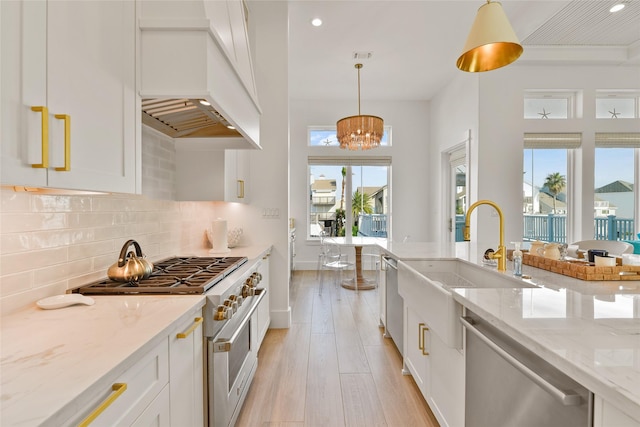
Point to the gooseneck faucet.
(501, 253)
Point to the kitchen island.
(589, 330)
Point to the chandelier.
(359, 132)
(491, 43)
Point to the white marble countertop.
(590, 330)
(48, 358)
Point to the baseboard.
(280, 319)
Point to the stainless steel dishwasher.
(507, 385)
(394, 304)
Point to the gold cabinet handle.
(118, 388)
(67, 142)
(421, 328)
(189, 331)
(240, 189)
(45, 137)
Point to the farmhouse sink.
(461, 274)
(430, 284)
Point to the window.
(348, 191)
(545, 204)
(617, 105)
(549, 105)
(614, 193)
(325, 136)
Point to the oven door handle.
(221, 345)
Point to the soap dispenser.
(517, 260)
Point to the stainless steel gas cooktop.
(181, 275)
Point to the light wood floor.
(332, 367)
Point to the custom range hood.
(186, 118)
(196, 72)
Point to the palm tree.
(555, 182)
(344, 174)
(361, 203)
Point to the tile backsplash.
(50, 243)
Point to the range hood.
(196, 73)
(186, 118)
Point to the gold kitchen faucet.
(501, 253)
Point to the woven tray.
(582, 270)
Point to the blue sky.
(611, 164)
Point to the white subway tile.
(14, 283)
(21, 262)
(13, 201)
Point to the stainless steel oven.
(230, 329)
(232, 359)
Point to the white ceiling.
(416, 43)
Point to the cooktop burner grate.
(183, 275)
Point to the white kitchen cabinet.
(186, 367)
(130, 395)
(212, 175)
(77, 60)
(157, 413)
(605, 414)
(417, 347)
(437, 368)
(264, 313)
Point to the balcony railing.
(326, 200)
(373, 225)
(553, 228)
(612, 228)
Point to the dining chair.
(332, 259)
(614, 247)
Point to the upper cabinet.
(203, 174)
(198, 53)
(69, 114)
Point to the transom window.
(549, 105)
(325, 136)
(617, 105)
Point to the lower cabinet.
(164, 387)
(437, 369)
(605, 414)
(130, 396)
(186, 373)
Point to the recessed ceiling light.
(616, 8)
(316, 22)
(230, 127)
(203, 102)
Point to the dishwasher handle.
(565, 398)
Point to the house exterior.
(618, 196)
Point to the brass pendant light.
(491, 43)
(359, 132)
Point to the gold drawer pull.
(67, 142)
(189, 331)
(118, 388)
(45, 137)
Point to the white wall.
(497, 149)
(270, 167)
(454, 116)
(410, 187)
